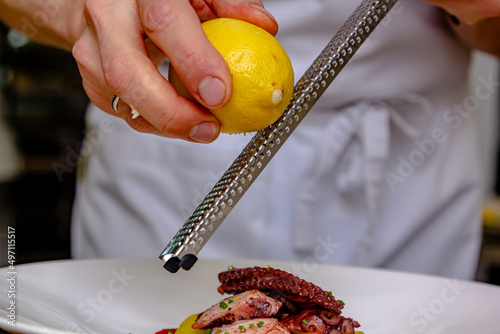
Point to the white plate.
(140, 297)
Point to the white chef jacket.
(383, 171)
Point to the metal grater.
(181, 251)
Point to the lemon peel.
(261, 72)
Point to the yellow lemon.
(261, 71)
(185, 326)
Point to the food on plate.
(270, 301)
(261, 71)
(246, 305)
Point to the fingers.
(123, 68)
(154, 53)
(175, 28)
(252, 11)
(124, 42)
(85, 51)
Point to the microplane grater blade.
(182, 250)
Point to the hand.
(124, 41)
(468, 11)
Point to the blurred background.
(42, 106)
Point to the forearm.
(54, 22)
(483, 35)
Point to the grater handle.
(182, 250)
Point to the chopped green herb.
(341, 302)
(260, 323)
(230, 268)
(218, 331)
(242, 329)
(330, 294)
(251, 325)
(223, 305)
(226, 332)
(170, 332)
(209, 331)
(304, 322)
(230, 301)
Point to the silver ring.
(114, 104)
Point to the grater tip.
(173, 264)
(188, 261)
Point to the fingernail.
(263, 10)
(204, 132)
(212, 91)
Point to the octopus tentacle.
(319, 322)
(265, 279)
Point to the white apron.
(382, 172)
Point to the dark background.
(44, 104)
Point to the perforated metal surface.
(183, 248)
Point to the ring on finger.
(114, 106)
(114, 103)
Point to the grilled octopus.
(273, 301)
